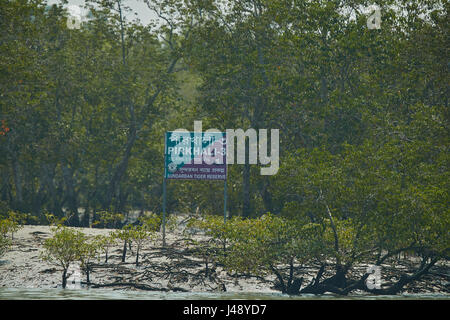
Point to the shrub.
(63, 249)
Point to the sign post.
(194, 156)
(164, 212)
(164, 196)
(225, 201)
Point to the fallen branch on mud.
(136, 286)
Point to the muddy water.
(100, 294)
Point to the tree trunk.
(86, 217)
(88, 280)
(137, 256)
(17, 183)
(122, 200)
(71, 196)
(64, 278)
(280, 279)
(339, 280)
(95, 217)
(246, 209)
(266, 196)
(55, 204)
(294, 287)
(38, 198)
(131, 139)
(124, 251)
(121, 168)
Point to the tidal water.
(106, 294)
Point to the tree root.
(328, 285)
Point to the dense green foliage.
(363, 119)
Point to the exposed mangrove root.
(334, 283)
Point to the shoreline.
(170, 269)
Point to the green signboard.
(195, 155)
